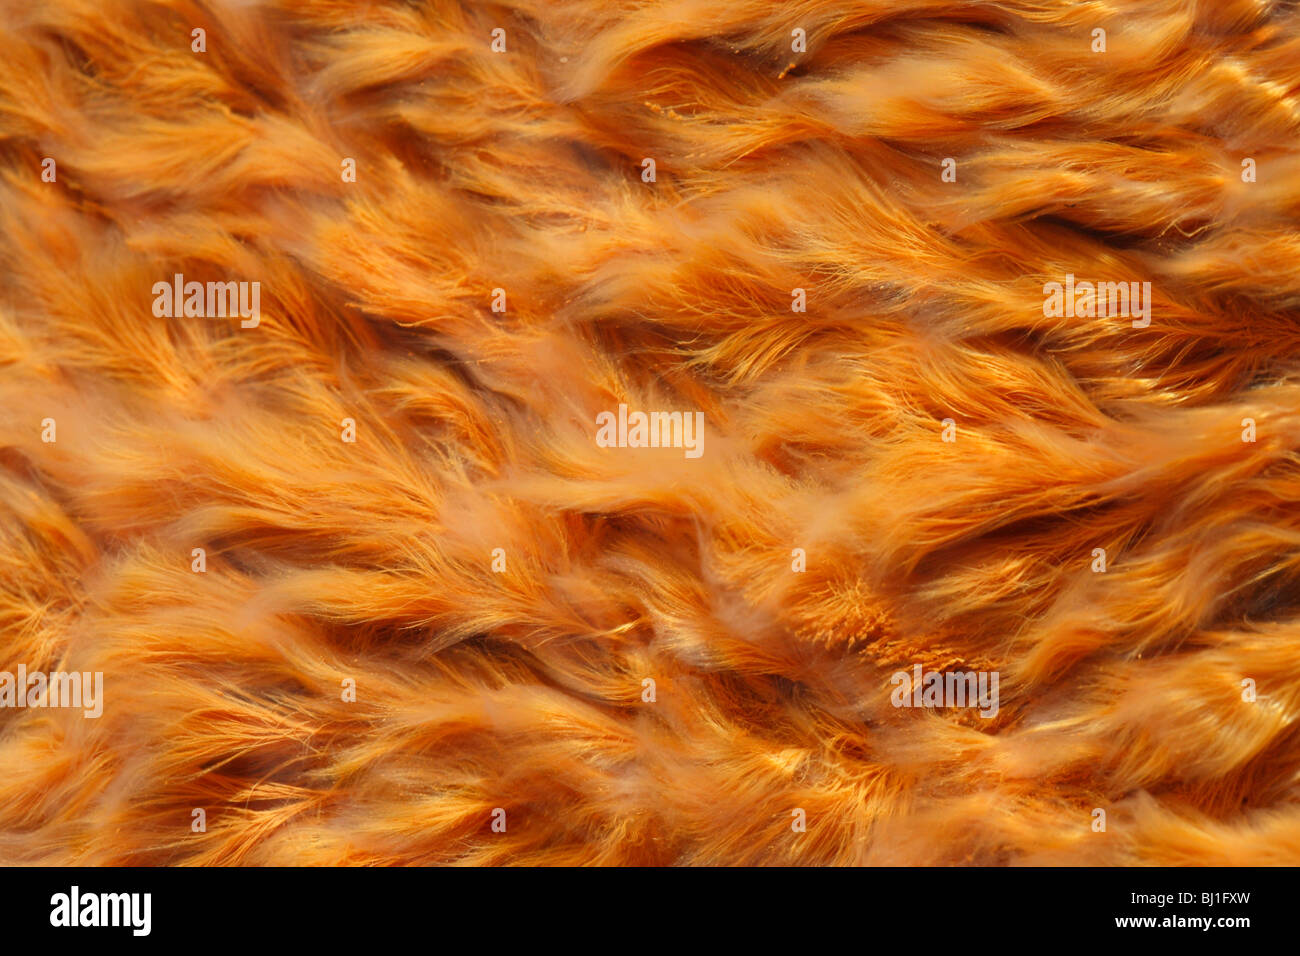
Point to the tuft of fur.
(522, 690)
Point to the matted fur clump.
(367, 554)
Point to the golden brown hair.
(917, 469)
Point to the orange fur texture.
(519, 682)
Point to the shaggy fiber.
(370, 578)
